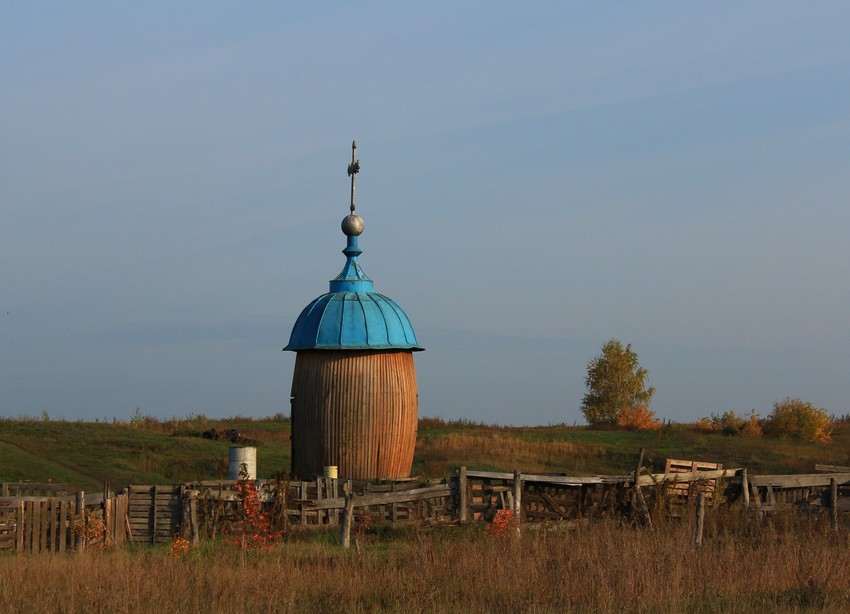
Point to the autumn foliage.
(730, 423)
(255, 530)
(503, 523)
(800, 420)
(638, 418)
(616, 383)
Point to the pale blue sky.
(535, 181)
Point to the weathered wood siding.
(357, 410)
(35, 524)
(155, 513)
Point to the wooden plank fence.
(35, 524)
(154, 513)
(684, 492)
(767, 493)
(320, 502)
(542, 497)
(45, 521)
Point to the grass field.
(787, 564)
(147, 451)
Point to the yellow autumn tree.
(798, 419)
(615, 383)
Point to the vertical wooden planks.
(40, 511)
(20, 526)
(357, 410)
(152, 520)
(64, 523)
(31, 533)
(106, 510)
(80, 511)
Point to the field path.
(65, 466)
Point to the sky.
(535, 180)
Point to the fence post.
(302, 495)
(107, 513)
(80, 533)
(347, 516)
(745, 489)
(191, 515)
(641, 502)
(517, 492)
(699, 520)
(152, 521)
(833, 503)
(463, 497)
(19, 528)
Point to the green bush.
(800, 420)
(730, 423)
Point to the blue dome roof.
(352, 316)
(352, 321)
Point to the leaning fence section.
(536, 497)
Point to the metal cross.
(353, 169)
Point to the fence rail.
(39, 519)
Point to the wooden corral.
(320, 502)
(152, 514)
(393, 502)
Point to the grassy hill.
(86, 454)
(147, 451)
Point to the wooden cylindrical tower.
(354, 395)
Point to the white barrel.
(331, 471)
(243, 458)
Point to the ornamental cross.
(353, 169)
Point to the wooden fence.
(154, 513)
(539, 497)
(46, 519)
(61, 523)
(768, 493)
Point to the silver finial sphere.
(352, 225)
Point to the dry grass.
(789, 564)
(439, 454)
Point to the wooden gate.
(155, 513)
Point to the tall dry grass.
(439, 454)
(789, 564)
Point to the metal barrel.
(243, 458)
